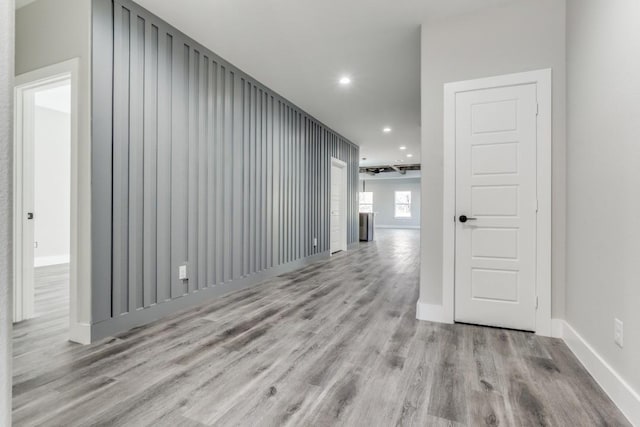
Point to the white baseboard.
(620, 392)
(407, 227)
(431, 313)
(51, 260)
(80, 333)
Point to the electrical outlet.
(315, 242)
(182, 272)
(618, 332)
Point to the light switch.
(182, 272)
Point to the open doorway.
(391, 194)
(339, 217)
(45, 139)
(389, 206)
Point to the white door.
(338, 228)
(495, 257)
(42, 183)
(24, 297)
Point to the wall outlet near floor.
(315, 242)
(618, 332)
(182, 272)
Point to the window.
(366, 202)
(403, 204)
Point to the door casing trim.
(542, 79)
(78, 330)
(344, 240)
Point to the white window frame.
(395, 204)
(365, 204)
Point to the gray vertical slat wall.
(209, 169)
(101, 160)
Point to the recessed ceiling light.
(344, 80)
(386, 130)
(403, 148)
(409, 155)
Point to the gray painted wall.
(494, 41)
(384, 201)
(7, 13)
(603, 235)
(196, 162)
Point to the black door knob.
(29, 215)
(464, 218)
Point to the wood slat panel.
(179, 162)
(136, 161)
(150, 166)
(102, 162)
(209, 168)
(163, 155)
(120, 236)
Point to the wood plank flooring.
(51, 308)
(335, 343)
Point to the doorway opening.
(44, 262)
(390, 201)
(338, 225)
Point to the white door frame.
(343, 241)
(542, 79)
(23, 301)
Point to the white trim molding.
(344, 246)
(80, 332)
(7, 56)
(62, 71)
(432, 313)
(542, 79)
(619, 391)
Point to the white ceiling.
(300, 48)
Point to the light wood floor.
(51, 308)
(336, 343)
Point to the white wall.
(603, 177)
(521, 36)
(384, 201)
(52, 186)
(49, 32)
(6, 204)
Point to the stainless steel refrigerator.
(366, 227)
